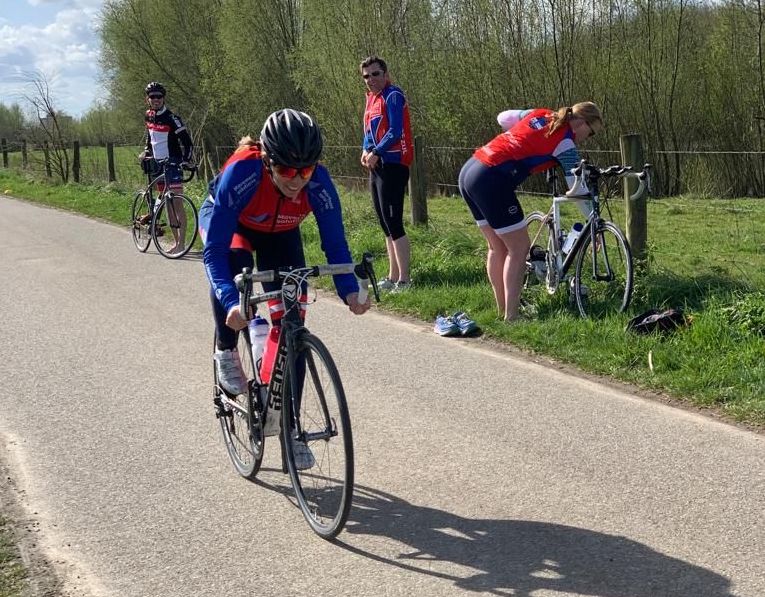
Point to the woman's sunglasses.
(156, 96)
(377, 73)
(289, 172)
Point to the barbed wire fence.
(719, 174)
(697, 174)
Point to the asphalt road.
(477, 471)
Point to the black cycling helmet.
(291, 138)
(154, 87)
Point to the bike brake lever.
(365, 271)
(243, 283)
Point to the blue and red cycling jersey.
(243, 194)
(526, 143)
(387, 130)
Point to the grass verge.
(706, 256)
(12, 573)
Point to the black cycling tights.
(272, 251)
(387, 184)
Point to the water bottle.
(576, 230)
(269, 354)
(258, 334)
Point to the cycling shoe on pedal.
(302, 453)
(230, 373)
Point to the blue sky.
(58, 38)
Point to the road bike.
(600, 254)
(304, 396)
(170, 219)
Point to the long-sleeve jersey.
(524, 140)
(166, 136)
(387, 130)
(244, 194)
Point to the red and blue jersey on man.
(527, 145)
(387, 130)
(243, 194)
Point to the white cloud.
(64, 50)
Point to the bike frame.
(564, 263)
(292, 329)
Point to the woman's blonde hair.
(247, 141)
(587, 111)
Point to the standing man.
(387, 154)
(166, 140)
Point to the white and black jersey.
(166, 136)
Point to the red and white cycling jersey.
(166, 136)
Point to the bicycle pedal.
(220, 409)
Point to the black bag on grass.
(654, 320)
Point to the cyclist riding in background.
(256, 203)
(166, 139)
(531, 141)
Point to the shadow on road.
(517, 557)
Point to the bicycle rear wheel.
(175, 226)
(141, 221)
(541, 276)
(239, 416)
(603, 279)
(325, 490)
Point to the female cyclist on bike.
(256, 203)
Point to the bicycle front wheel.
(323, 481)
(240, 416)
(175, 226)
(603, 279)
(141, 221)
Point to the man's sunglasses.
(377, 73)
(289, 172)
(156, 96)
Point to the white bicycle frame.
(580, 193)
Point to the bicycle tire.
(241, 425)
(604, 285)
(323, 496)
(141, 232)
(170, 225)
(540, 235)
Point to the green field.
(706, 256)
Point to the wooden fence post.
(110, 161)
(76, 161)
(24, 154)
(46, 153)
(4, 144)
(631, 146)
(418, 184)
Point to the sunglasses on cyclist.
(156, 96)
(289, 172)
(376, 73)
